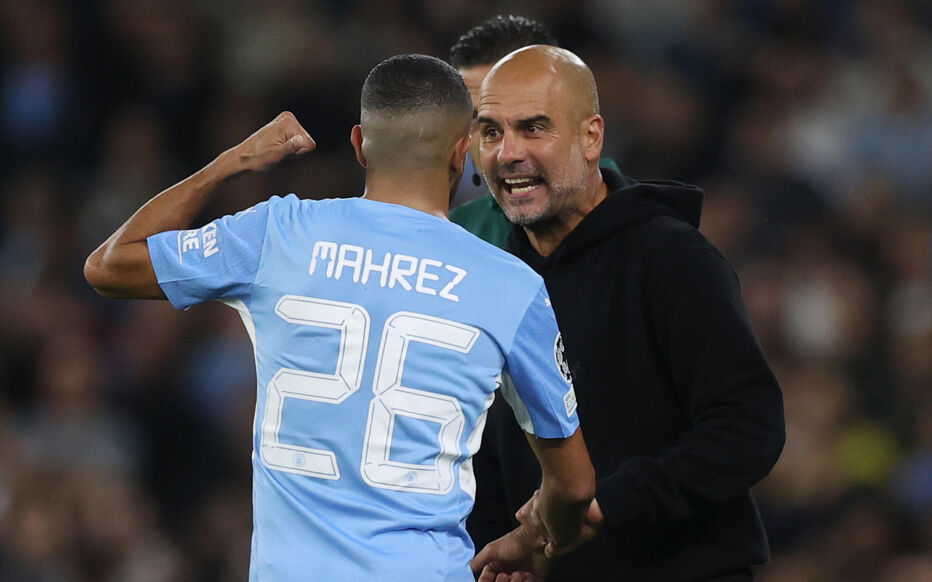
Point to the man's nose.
(512, 148)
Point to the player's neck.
(427, 194)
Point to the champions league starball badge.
(559, 355)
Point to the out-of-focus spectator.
(135, 162)
(35, 86)
(71, 427)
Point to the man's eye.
(490, 132)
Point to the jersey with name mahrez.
(380, 335)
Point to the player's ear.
(458, 161)
(356, 140)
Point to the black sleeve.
(723, 382)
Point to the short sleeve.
(542, 395)
(216, 261)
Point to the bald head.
(414, 110)
(558, 68)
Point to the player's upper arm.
(123, 273)
(220, 260)
(543, 396)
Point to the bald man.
(681, 410)
(377, 347)
(474, 54)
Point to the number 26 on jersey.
(391, 398)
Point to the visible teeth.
(520, 185)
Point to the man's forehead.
(512, 104)
(515, 97)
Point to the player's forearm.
(567, 487)
(176, 207)
(120, 267)
(563, 508)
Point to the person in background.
(682, 412)
(377, 348)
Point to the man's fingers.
(483, 559)
(299, 141)
(301, 144)
(524, 511)
(305, 141)
(489, 574)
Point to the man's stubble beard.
(559, 200)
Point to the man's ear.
(458, 161)
(591, 136)
(356, 140)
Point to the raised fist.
(280, 138)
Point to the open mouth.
(518, 186)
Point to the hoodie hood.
(629, 203)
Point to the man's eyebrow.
(520, 122)
(532, 120)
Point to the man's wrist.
(531, 537)
(228, 164)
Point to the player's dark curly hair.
(414, 82)
(486, 43)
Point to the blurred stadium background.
(125, 427)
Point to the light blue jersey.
(380, 334)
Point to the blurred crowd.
(125, 428)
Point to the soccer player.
(377, 344)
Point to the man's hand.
(280, 138)
(517, 556)
(529, 515)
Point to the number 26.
(391, 396)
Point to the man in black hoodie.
(681, 410)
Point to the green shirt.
(484, 217)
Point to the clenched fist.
(280, 138)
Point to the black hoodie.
(677, 403)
